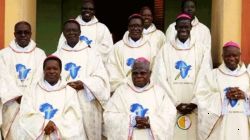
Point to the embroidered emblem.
(138, 110)
(22, 71)
(184, 69)
(48, 110)
(130, 62)
(232, 102)
(184, 122)
(72, 68)
(85, 39)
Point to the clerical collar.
(140, 89)
(233, 72)
(148, 30)
(22, 49)
(184, 45)
(51, 87)
(133, 43)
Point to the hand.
(77, 85)
(142, 122)
(185, 108)
(235, 93)
(18, 99)
(50, 128)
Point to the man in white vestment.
(50, 110)
(199, 31)
(179, 66)
(93, 32)
(7, 94)
(132, 46)
(223, 99)
(22, 60)
(83, 70)
(139, 109)
(156, 37)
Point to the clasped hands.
(50, 128)
(185, 108)
(235, 93)
(142, 122)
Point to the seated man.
(223, 99)
(51, 108)
(139, 109)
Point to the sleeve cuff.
(87, 93)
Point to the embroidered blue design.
(85, 39)
(48, 110)
(130, 62)
(138, 110)
(183, 67)
(72, 68)
(22, 71)
(232, 102)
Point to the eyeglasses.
(23, 32)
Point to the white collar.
(141, 89)
(233, 72)
(50, 87)
(184, 45)
(150, 29)
(94, 20)
(30, 47)
(133, 43)
(241, 69)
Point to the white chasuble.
(128, 102)
(221, 118)
(84, 64)
(44, 104)
(179, 68)
(123, 56)
(95, 34)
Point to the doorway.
(52, 14)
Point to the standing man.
(133, 45)
(139, 109)
(223, 97)
(156, 37)
(84, 71)
(93, 32)
(180, 65)
(199, 31)
(22, 60)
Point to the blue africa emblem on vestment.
(72, 68)
(85, 39)
(22, 71)
(232, 102)
(48, 110)
(130, 62)
(138, 110)
(183, 67)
